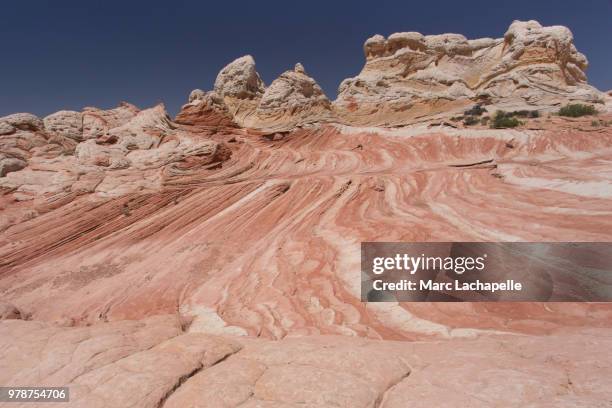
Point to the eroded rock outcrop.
(6, 128)
(26, 138)
(65, 123)
(410, 77)
(108, 152)
(9, 164)
(240, 97)
(23, 121)
(22, 135)
(205, 109)
(240, 80)
(240, 87)
(97, 122)
(293, 99)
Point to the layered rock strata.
(156, 217)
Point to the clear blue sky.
(70, 54)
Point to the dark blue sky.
(70, 54)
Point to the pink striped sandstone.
(227, 241)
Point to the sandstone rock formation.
(120, 150)
(23, 136)
(8, 164)
(240, 80)
(6, 128)
(410, 77)
(22, 121)
(65, 123)
(293, 99)
(207, 109)
(97, 122)
(213, 260)
(240, 87)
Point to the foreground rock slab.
(152, 363)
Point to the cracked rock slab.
(152, 363)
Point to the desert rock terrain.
(213, 259)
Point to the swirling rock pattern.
(259, 234)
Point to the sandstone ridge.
(410, 77)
